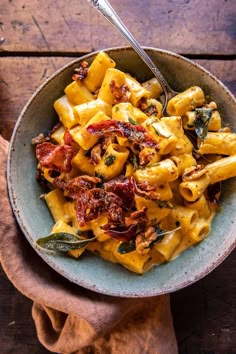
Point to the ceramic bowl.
(35, 220)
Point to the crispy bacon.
(113, 205)
(137, 222)
(121, 233)
(81, 72)
(213, 193)
(135, 133)
(145, 190)
(138, 217)
(68, 139)
(96, 154)
(93, 202)
(145, 156)
(78, 185)
(124, 188)
(56, 157)
(89, 205)
(121, 93)
(149, 109)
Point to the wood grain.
(23, 75)
(38, 38)
(183, 26)
(205, 313)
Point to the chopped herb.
(189, 125)
(203, 115)
(134, 161)
(161, 233)
(149, 121)
(62, 242)
(116, 109)
(87, 153)
(126, 247)
(151, 110)
(132, 121)
(160, 132)
(164, 204)
(99, 175)
(109, 160)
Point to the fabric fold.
(70, 319)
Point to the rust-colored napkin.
(70, 319)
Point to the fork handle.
(109, 13)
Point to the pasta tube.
(222, 169)
(97, 71)
(96, 226)
(185, 101)
(65, 112)
(183, 161)
(185, 217)
(134, 261)
(154, 87)
(163, 171)
(113, 77)
(154, 212)
(169, 244)
(104, 249)
(112, 162)
(82, 136)
(201, 205)
(136, 89)
(81, 162)
(126, 112)
(58, 135)
(192, 190)
(174, 124)
(77, 93)
(218, 143)
(86, 111)
(55, 201)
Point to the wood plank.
(53, 26)
(204, 313)
(184, 26)
(17, 331)
(20, 77)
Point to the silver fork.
(105, 8)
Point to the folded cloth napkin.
(71, 319)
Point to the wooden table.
(37, 39)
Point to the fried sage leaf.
(126, 247)
(203, 115)
(62, 242)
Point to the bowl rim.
(222, 254)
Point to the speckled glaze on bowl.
(35, 220)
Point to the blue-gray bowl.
(35, 219)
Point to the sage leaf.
(203, 115)
(109, 160)
(62, 242)
(132, 121)
(126, 247)
(160, 234)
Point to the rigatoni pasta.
(126, 181)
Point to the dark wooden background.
(36, 38)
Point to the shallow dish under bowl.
(34, 217)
